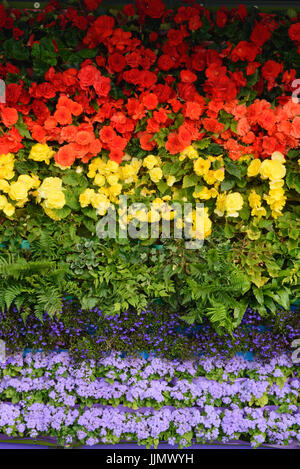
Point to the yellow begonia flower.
(203, 194)
(272, 169)
(192, 153)
(4, 185)
(155, 174)
(97, 164)
(220, 205)
(41, 152)
(153, 215)
(100, 202)
(22, 202)
(258, 212)
(276, 184)
(201, 166)
(278, 205)
(254, 168)
(99, 180)
(215, 158)
(276, 200)
(91, 174)
(29, 181)
(51, 191)
(210, 177)
(55, 200)
(127, 173)
(112, 166)
(157, 202)
(220, 174)
(166, 212)
(254, 199)
(3, 201)
(9, 210)
(234, 203)
(189, 152)
(213, 192)
(86, 197)
(171, 180)
(179, 223)
(207, 226)
(112, 179)
(201, 224)
(276, 194)
(276, 155)
(6, 172)
(49, 184)
(35, 181)
(150, 161)
(115, 190)
(7, 166)
(135, 164)
(104, 190)
(18, 190)
(141, 215)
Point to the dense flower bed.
(163, 106)
(150, 401)
(166, 107)
(148, 96)
(155, 333)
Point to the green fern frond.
(49, 300)
(21, 268)
(11, 293)
(44, 245)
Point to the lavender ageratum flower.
(81, 435)
(92, 441)
(116, 398)
(209, 423)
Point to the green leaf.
(227, 184)
(90, 212)
(284, 298)
(229, 230)
(72, 200)
(233, 126)
(162, 186)
(263, 400)
(87, 53)
(16, 50)
(239, 311)
(296, 183)
(190, 180)
(245, 212)
(202, 144)
(269, 303)
(71, 178)
(232, 168)
(89, 302)
(148, 242)
(258, 293)
(63, 212)
(22, 128)
(89, 224)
